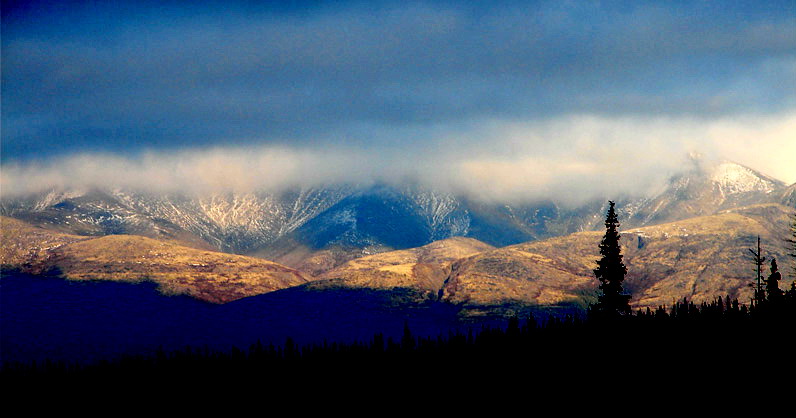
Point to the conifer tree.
(758, 260)
(772, 284)
(791, 293)
(611, 270)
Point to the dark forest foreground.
(687, 340)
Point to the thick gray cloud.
(371, 77)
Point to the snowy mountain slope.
(237, 223)
(230, 222)
(706, 191)
(92, 213)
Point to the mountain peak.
(735, 178)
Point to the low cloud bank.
(571, 159)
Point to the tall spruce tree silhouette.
(611, 271)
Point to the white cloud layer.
(570, 158)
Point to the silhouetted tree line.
(722, 331)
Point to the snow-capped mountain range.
(380, 216)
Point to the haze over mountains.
(687, 241)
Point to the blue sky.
(379, 78)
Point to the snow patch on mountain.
(734, 178)
(442, 212)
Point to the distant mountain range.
(688, 240)
(377, 218)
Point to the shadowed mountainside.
(45, 317)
